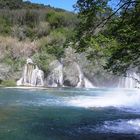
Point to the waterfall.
(32, 75)
(37, 77)
(55, 78)
(81, 76)
(130, 81)
(88, 84)
(83, 79)
(58, 76)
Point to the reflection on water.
(69, 114)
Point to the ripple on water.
(121, 127)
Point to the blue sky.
(65, 4)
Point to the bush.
(10, 4)
(31, 18)
(54, 19)
(43, 60)
(53, 44)
(14, 49)
(8, 83)
(19, 32)
(5, 27)
(61, 19)
(43, 29)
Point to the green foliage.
(54, 19)
(27, 20)
(54, 44)
(15, 64)
(90, 13)
(19, 32)
(8, 83)
(99, 47)
(30, 33)
(61, 19)
(31, 19)
(51, 27)
(10, 4)
(118, 42)
(43, 29)
(20, 4)
(5, 27)
(127, 32)
(43, 60)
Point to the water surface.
(69, 114)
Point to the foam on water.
(125, 100)
(121, 126)
(118, 99)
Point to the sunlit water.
(69, 114)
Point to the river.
(69, 114)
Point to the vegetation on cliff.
(33, 30)
(109, 38)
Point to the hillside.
(32, 30)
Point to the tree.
(90, 13)
(120, 26)
(126, 30)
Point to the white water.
(127, 101)
(37, 77)
(56, 76)
(130, 81)
(83, 79)
(118, 98)
(88, 84)
(32, 75)
(121, 126)
(81, 76)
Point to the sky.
(64, 4)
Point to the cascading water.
(32, 75)
(130, 81)
(82, 78)
(88, 84)
(55, 78)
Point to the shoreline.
(47, 88)
(25, 87)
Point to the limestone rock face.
(55, 77)
(67, 74)
(72, 75)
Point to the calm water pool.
(69, 114)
